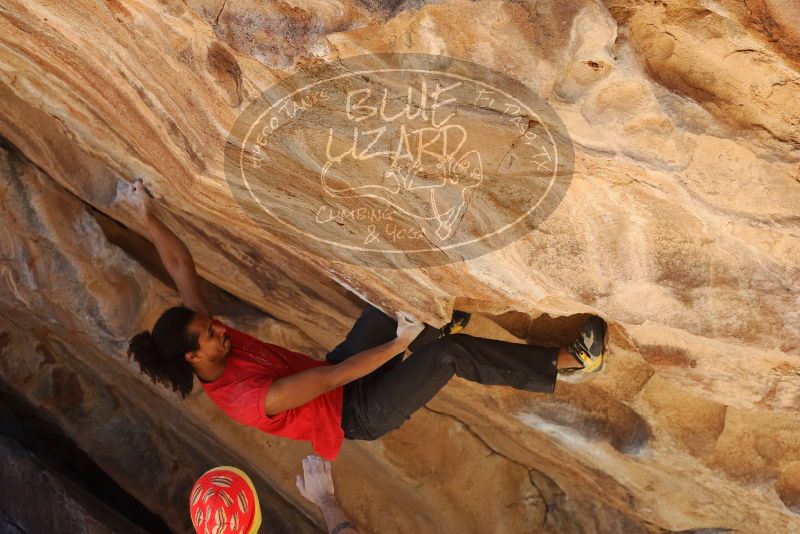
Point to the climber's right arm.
(297, 389)
(173, 253)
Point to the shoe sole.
(592, 365)
(458, 327)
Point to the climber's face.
(215, 345)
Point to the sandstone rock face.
(679, 227)
(66, 507)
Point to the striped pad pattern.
(224, 501)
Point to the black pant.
(382, 400)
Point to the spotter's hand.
(316, 482)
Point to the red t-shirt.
(249, 371)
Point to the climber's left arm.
(173, 252)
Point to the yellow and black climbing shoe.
(589, 348)
(456, 324)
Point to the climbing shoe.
(456, 324)
(589, 348)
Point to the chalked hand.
(408, 328)
(141, 198)
(316, 483)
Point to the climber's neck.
(209, 371)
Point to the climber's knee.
(448, 348)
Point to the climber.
(363, 390)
